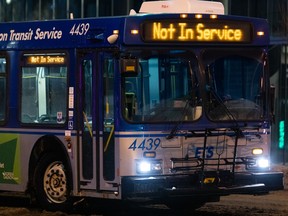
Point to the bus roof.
(170, 29)
(182, 6)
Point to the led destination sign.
(45, 59)
(189, 31)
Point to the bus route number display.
(189, 31)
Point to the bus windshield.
(165, 89)
(234, 84)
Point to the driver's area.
(163, 88)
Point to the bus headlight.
(263, 163)
(149, 166)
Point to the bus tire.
(51, 183)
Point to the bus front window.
(164, 90)
(234, 85)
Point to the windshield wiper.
(236, 129)
(191, 101)
(182, 117)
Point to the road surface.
(275, 203)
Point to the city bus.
(170, 105)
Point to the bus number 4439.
(80, 29)
(146, 144)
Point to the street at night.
(274, 203)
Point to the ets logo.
(198, 151)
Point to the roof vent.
(182, 6)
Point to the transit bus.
(169, 105)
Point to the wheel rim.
(55, 182)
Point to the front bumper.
(207, 185)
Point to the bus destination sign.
(45, 59)
(192, 31)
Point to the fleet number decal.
(146, 144)
(80, 29)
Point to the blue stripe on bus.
(117, 134)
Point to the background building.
(19, 10)
(275, 11)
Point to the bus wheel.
(51, 183)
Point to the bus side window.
(3, 92)
(44, 95)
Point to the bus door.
(87, 122)
(97, 144)
(108, 156)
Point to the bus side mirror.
(129, 67)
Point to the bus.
(169, 105)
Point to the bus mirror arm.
(272, 102)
